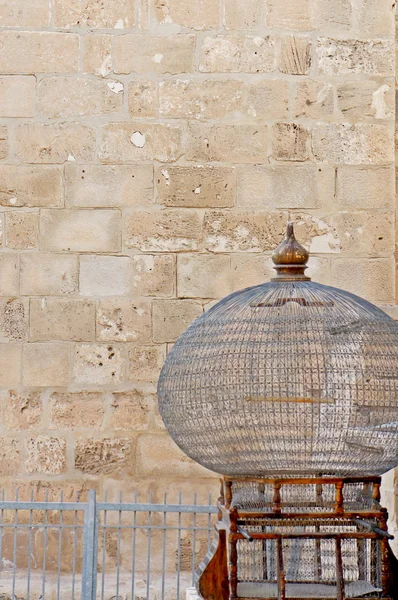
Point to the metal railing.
(93, 549)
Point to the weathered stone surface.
(288, 186)
(202, 276)
(288, 15)
(376, 18)
(14, 316)
(344, 57)
(4, 146)
(75, 410)
(47, 274)
(60, 97)
(365, 232)
(54, 143)
(22, 410)
(196, 187)
(9, 456)
(17, 96)
(62, 319)
(102, 455)
(105, 276)
(22, 230)
(131, 410)
(295, 56)
(45, 455)
(250, 269)
(46, 364)
(238, 54)
(154, 274)
(30, 186)
(145, 54)
(353, 144)
(124, 320)
(18, 13)
(163, 231)
(359, 99)
(10, 364)
(373, 276)
(267, 99)
(145, 362)
(143, 99)
(118, 14)
(317, 233)
(314, 99)
(243, 231)
(248, 16)
(97, 58)
(203, 14)
(290, 142)
(38, 52)
(240, 143)
(332, 15)
(172, 317)
(365, 188)
(9, 276)
(101, 186)
(80, 230)
(132, 142)
(99, 364)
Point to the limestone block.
(118, 14)
(365, 232)
(54, 143)
(314, 99)
(101, 186)
(30, 186)
(243, 231)
(75, 410)
(145, 362)
(10, 456)
(124, 320)
(238, 54)
(295, 55)
(317, 234)
(289, 15)
(240, 143)
(353, 144)
(290, 141)
(203, 14)
(80, 230)
(163, 231)
(99, 364)
(376, 18)
(14, 318)
(64, 319)
(105, 275)
(267, 99)
(45, 455)
(249, 269)
(203, 276)
(196, 187)
(143, 99)
(60, 97)
(285, 186)
(102, 455)
(38, 52)
(47, 274)
(22, 410)
(248, 16)
(343, 57)
(22, 230)
(359, 99)
(365, 188)
(332, 15)
(17, 95)
(46, 364)
(3, 142)
(132, 142)
(373, 276)
(131, 410)
(9, 276)
(18, 13)
(97, 57)
(145, 54)
(154, 274)
(10, 364)
(172, 317)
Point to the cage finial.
(290, 258)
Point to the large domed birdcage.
(287, 377)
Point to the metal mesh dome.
(289, 377)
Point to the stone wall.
(151, 153)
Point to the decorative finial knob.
(290, 258)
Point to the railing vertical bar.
(14, 559)
(209, 525)
(179, 548)
(134, 547)
(164, 547)
(74, 549)
(88, 575)
(194, 540)
(104, 549)
(118, 546)
(148, 570)
(60, 547)
(45, 524)
(29, 546)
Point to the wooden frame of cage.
(218, 578)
